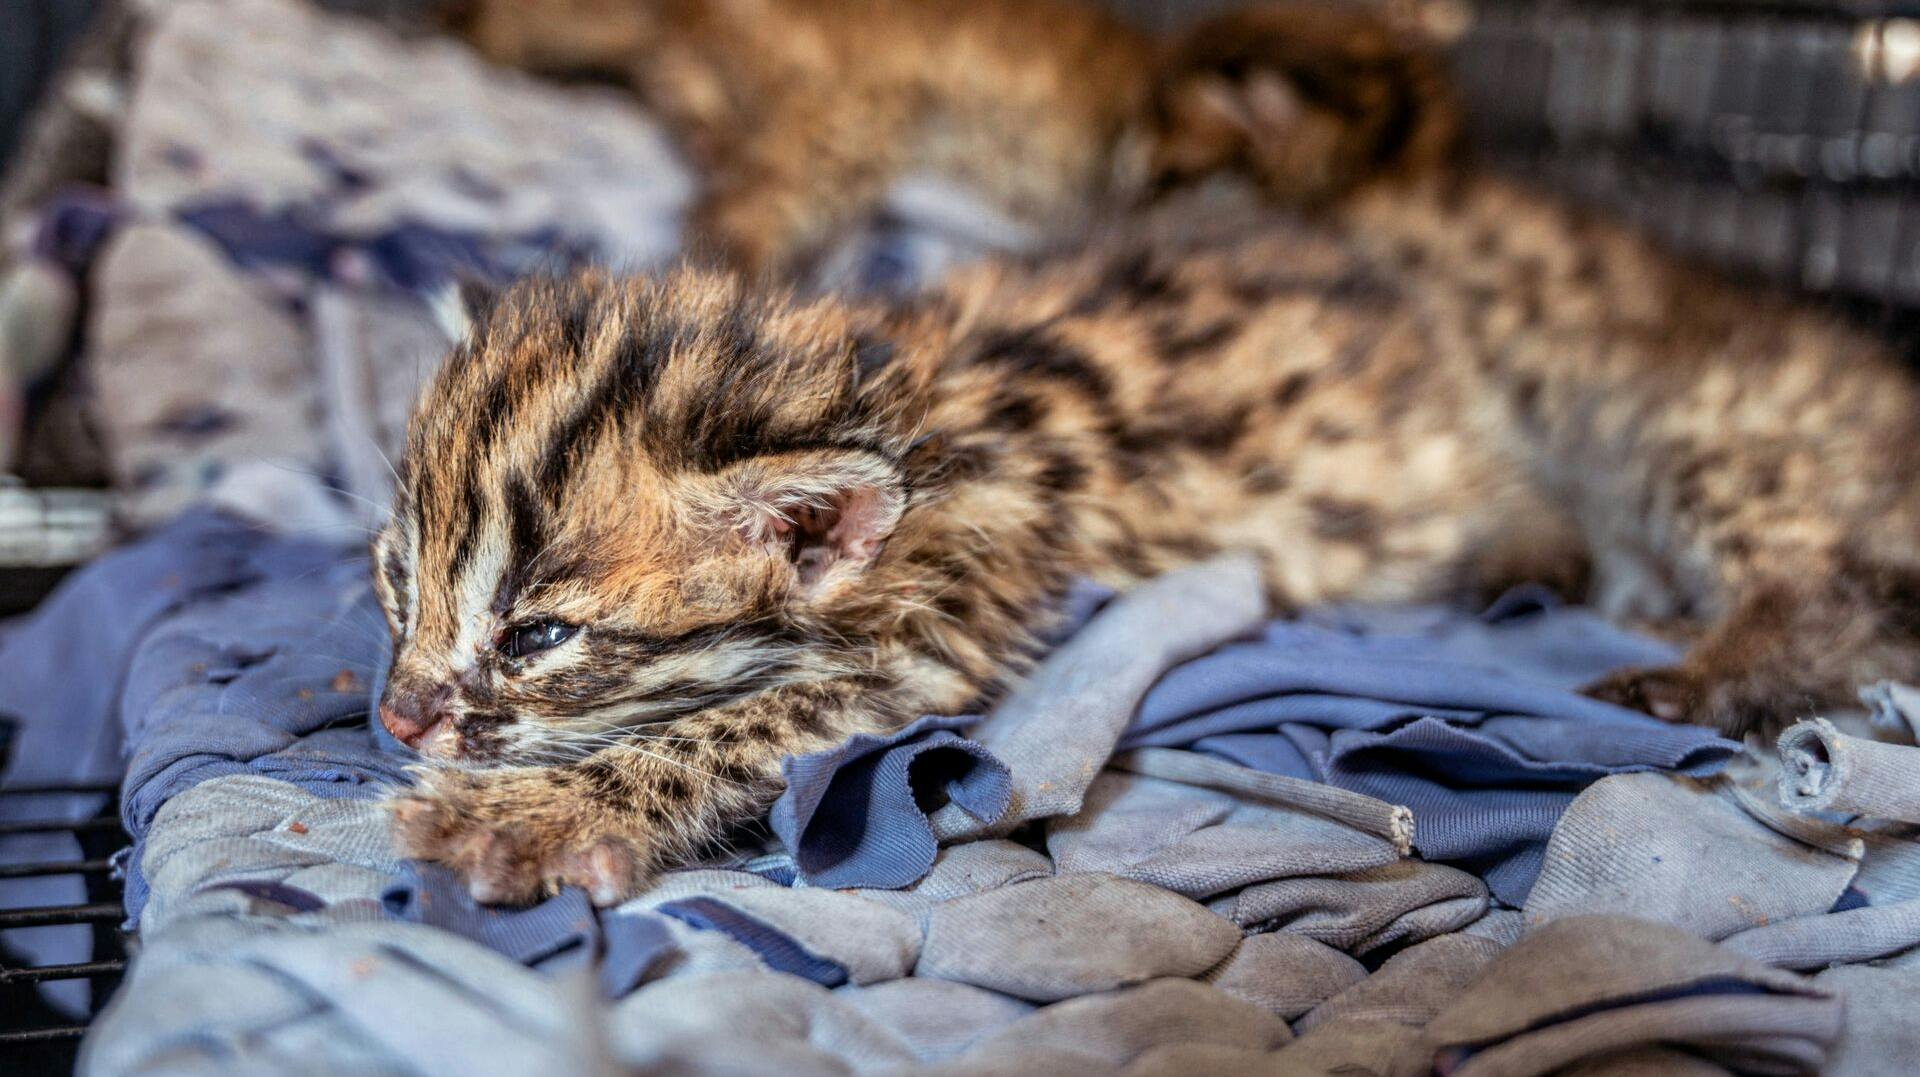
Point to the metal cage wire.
(1777, 139)
(34, 1036)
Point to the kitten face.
(621, 504)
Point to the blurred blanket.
(293, 195)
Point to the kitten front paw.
(1732, 704)
(513, 837)
(1665, 692)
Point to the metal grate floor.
(35, 1037)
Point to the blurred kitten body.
(803, 114)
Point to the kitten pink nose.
(410, 716)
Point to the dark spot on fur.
(870, 354)
(1063, 474)
(1264, 479)
(1588, 268)
(1214, 433)
(479, 732)
(1016, 412)
(1036, 351)
(1177, 347)
(957, 603)
(1891, 590)
(1131, 466)
(673, 786)
(1133, 280)
(967, 461)
(1526, 395)
(1289, 392)
(1401, 389)
(1341, 520)
(575, 317)
(605, 782)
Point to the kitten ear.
(827, 513)
(466, 302)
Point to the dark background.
(33, 36)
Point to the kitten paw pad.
(509, 859)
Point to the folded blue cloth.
(1473, 722)
(856, 814)
(560, 933)
(780, 951)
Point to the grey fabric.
(1284, 974)
(946, 974)
(873, 942)
(1199, 842)
(1504, 926)
(734, 1022)
(937, 1019)
(1645, 1062)
(1889, 862)
(1361, 911)
(1346, 1046)
(268, 893)
(1880, 1037)
(1187, 1059)
(1357, 810)
(359, 147)
(1058, 730)
(1116, 1027)
(357, 988)
(210, 835)
(1823, 769)
(1060, 937)
(1840, 938)
(1412, 986)
(1697, 854)
(959, 870)
(1594, 985)
(1893, 707)
(308, 970)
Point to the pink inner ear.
(865, 518)
(851, 527)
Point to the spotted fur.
(772, 523)
(803, 114)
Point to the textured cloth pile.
(1359, 841)
(1035, 890)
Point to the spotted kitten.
(655, 534)
(803, 114)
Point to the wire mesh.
(36, 1037)
(1775, 138)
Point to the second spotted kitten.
(802, 115)
(656, 534)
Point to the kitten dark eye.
(533, 637)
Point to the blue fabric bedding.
(210, 649)
(1473, 722)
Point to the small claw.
(607, 872)
(1668, 694)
